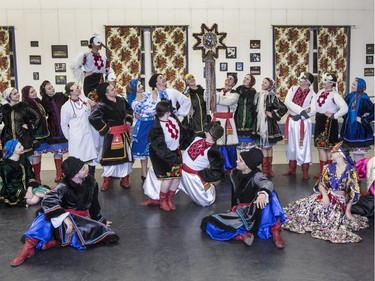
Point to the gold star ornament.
(209, 41)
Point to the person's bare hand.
(108, 223)
(261, 201)
(69, 225)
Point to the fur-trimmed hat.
(252, 158)
(71, 166)
(214, 129)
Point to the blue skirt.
(141, 144)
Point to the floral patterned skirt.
(328, 223)
(326, 132)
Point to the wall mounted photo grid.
(84, 43)
(35, 59)
(60, 79)
(254, 57)
(60, 67)
(369, 59)
(34, 43)
(59, 51)
(254, 44)
(223, 66)
(255, 70)
(239, 66)
(231, 53)
(35, 75)
(369, 49)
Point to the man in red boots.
(256, 210)
(112, 118)
(72, 212)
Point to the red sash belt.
(301, 130)
(116, 131)
(187, 169)
(227, 116)
(82, 213)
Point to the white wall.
(68, 22)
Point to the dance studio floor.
(169, 246)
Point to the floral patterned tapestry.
(333, 54)
(125, 46)
(291, 51)
(5, 69)
(169, 45)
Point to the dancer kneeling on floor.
(255, 206)
(71, 214)
(202, 166)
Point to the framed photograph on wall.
(59, 51)
(35, 75)
(254, 57)
(34, 43)
(60, 79)
(231, 53)
(369, 49)
(239, 66)
(369, 71)
(223, 66)
(254, 44)
(60, 67)
(369, 59)
(255, 70)
(84, 43)
(35, 59)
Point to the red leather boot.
(265, 168)
(27, 251)
(59, 173)
(247, 238)
(322, 164)
(305, 171)
(106, 181)
(170, 196)
(291, 169)
(163, 201)
(125, 182)
(50, 244)
(36, 168)
(276, 235)
(270, 172)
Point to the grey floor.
(158, 245)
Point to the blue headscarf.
(133, 84)
(9, 148)
(361, 85)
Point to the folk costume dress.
(245, 217)
(226, 104)
(77, 129)
(14, 117)
(41, 132)
(244, 116)
(57, 143)
(202, 164)
(80, 203)
(109, 119)
(265, 129)
(326, 132)
(197, 117)
(358, 135)
(15, 177)
(165, 155)
(146, 110)
(328, 223)
(297, 134)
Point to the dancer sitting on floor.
(327, 214)
(72, 209)
(255, 206)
